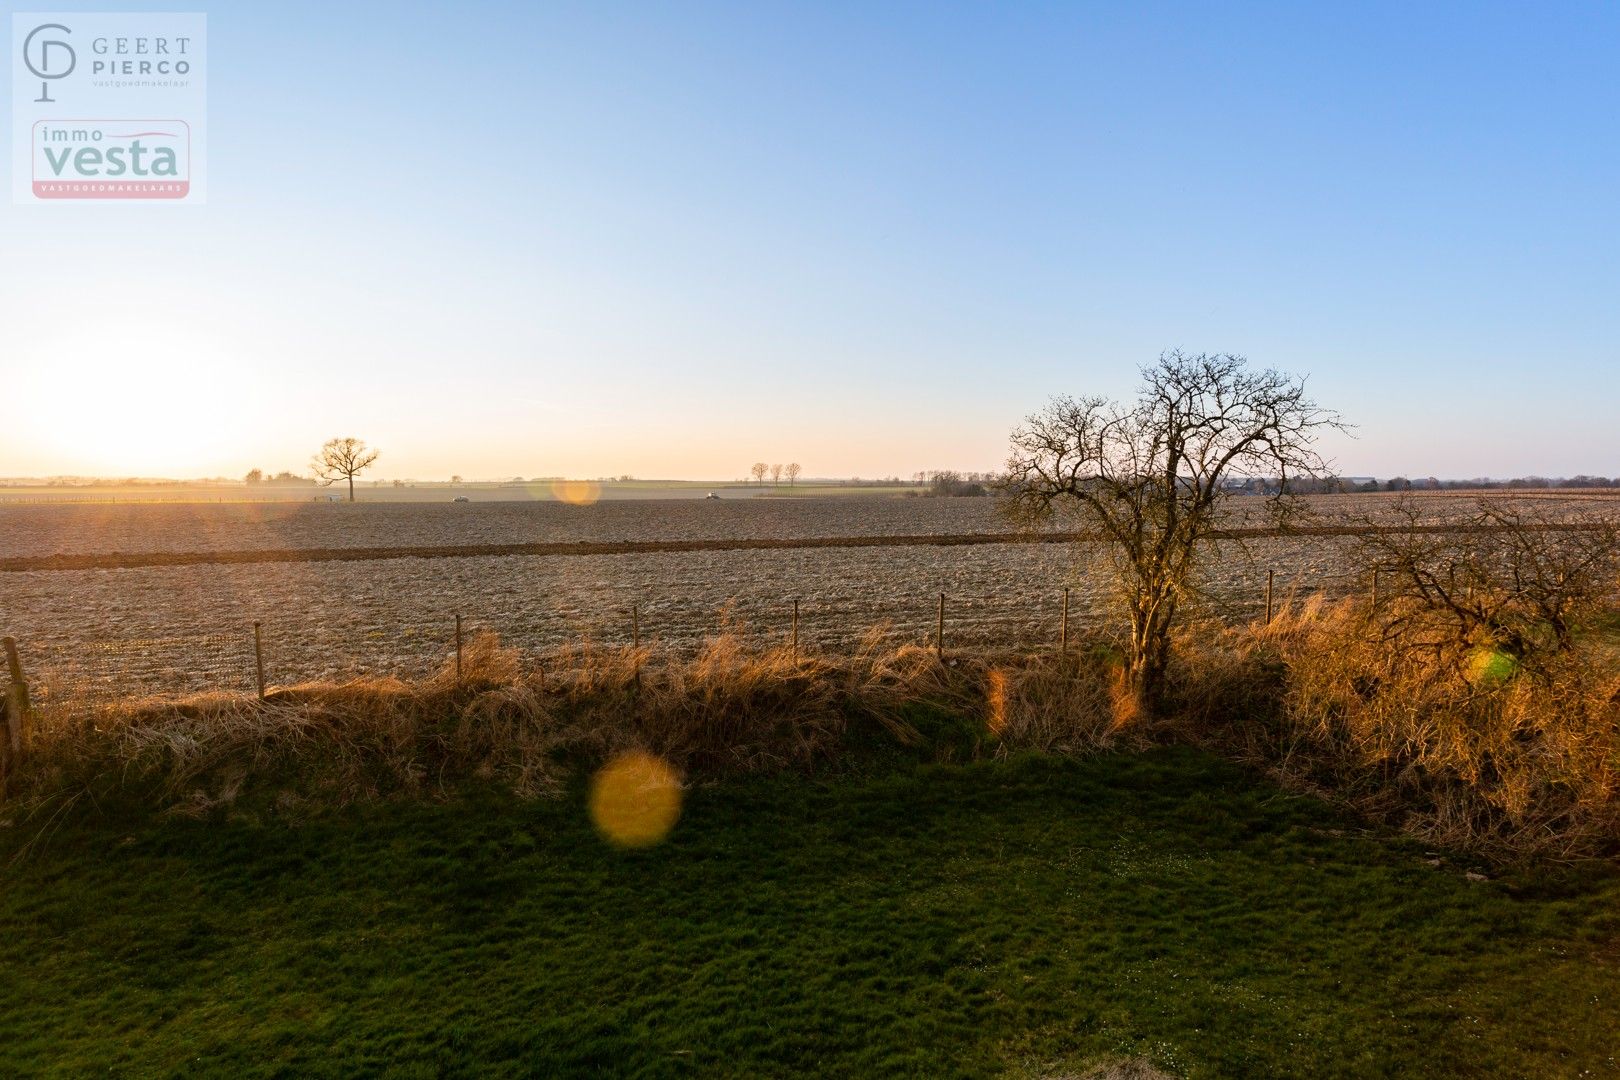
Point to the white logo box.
(109, 106)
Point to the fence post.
(20, 709)
(1270, 578)
(635, 638)
(1065, 636)
(258, 656)
(939, 640)
(795, 631)
(458, 646)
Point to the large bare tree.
(793, 472)
(1150, 477)
(342, 459)
(759, 470)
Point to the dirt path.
(128, 560)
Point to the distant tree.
(776, 474)
(947, 483)
(793, 472)
(254, 476)
(1150, 478)
(759, 470)
(455, 479)
(342, 459)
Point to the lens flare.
(995, 699)
(576, 492)
(1491, 667)
(1124, 701)
(635, 800)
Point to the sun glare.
(576, 492)
(129, 404)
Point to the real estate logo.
(109, 106)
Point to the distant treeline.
(1339, 485)
(948, 483)
(938, 482)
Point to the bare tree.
(776, 474)
(793, 472)
(1151, 477)
(254, 476)
(342, 459)
(759, 470)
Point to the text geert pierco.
(124, 121)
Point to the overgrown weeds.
(1457, 740)
(529, 724)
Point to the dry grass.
(1446, 743)
(1459, 743)
(530, 724)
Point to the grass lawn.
(1033, 917)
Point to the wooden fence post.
(458, 646)
(258, 656)
(1270, 579)
(19, 710)
(939, 640)
(1065, 635)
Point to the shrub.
(1456, 743)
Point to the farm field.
(333, 619)
(1029, 918)
(327, 620)
(42, 529)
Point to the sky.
(669, 240)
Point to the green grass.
(1027, 917)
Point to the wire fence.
(78, 677)
(103, 673)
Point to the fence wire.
(80, 677)
(96, 674)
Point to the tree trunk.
(1149, 658)
(351, 487)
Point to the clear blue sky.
(670, 240)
